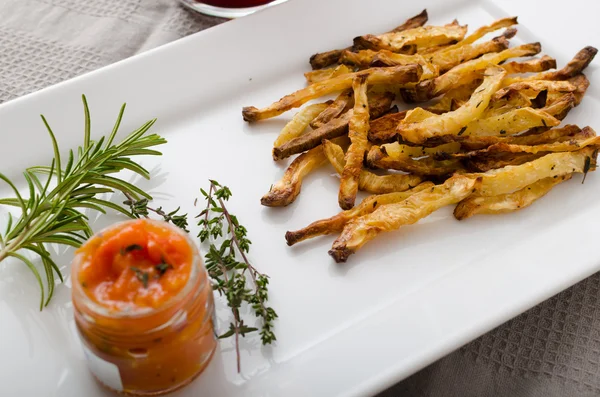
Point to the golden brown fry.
(454, 123)
(531, 66)
(357, 132)
(383, 129)
(299, 122)
(509, 202)
(561, 106)
(512, 178)
(532, 88)
(336, 223)
(510, 123)
(576, 143)
(390, 217)
(343, 102)
(581, 83)
(368, 181)
(362, 58)
(413, 22)
(553, 135)
(451, 57)
(482, 31)
(377, 158)
(328, 58)
(397, 75)
(486, 163)
(468, 71)
(421, 37)
(575, 66)
(315, 76)
(398, 150)
(285, 191)
(378, 105)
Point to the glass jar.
(151, 350)
(229, 8)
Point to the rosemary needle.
(54, 215)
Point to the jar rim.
(98, 309)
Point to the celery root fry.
(376, 158)
(299, 122)
(357, 132)
(391, 217)
(509, 202)
(531, 66)
(314, 76)
(378, 105)
(336, 223)
(343, 101)
(368, 181)
(513, 178)
(324, 59)
(452, 123)
(421, 37)
(285, 191)
(396, 75)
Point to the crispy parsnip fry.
(336, 223)
(451, 57)
(299, 122)
(368, 181)
(390, 217)
(377, 158)
(531, 66)
(358, 129)
(422, 37)
(343, 102)
(575, 66)
(397, 75)
(510, 123)
(455, 122)
(315, 76)
(284, 191)
(509, 202)
(468, 71)
(328, 58)
(378, 105)
(512, 178)
(532, 88)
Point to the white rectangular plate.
(403, 301)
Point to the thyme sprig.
(139, 209)
(229, 273)
(53, 215)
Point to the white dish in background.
(353, 329)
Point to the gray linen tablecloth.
(551, 350)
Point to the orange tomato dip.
(141, 265)
(143, 306)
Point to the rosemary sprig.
(53, 215)
(229, 273)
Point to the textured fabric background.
(551, 350)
